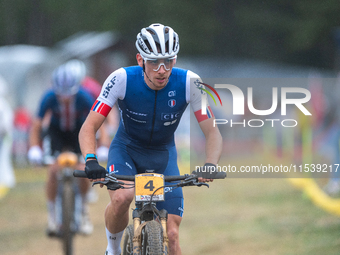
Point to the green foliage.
(299, 31)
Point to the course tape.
(317, 195)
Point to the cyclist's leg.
(173, 204)
(117, 211)
(117, 218)
(71, 143)
(173, 233)
(51, 145)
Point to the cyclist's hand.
(94, 171)
(35, 155)
(206, 173)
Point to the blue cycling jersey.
(66, 116)
(151, 117)
(148, 117)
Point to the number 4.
(149, 185)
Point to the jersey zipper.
(153, 117)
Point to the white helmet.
(156, 38)
(77, 67)
(66, 79)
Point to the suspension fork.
(163, 214)
(137, 230)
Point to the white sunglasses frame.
(159, 66)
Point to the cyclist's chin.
(161, 82)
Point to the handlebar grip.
(79, 173)
(215, 175)
(220, 175)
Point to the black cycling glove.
(208, 171)
(94, 170)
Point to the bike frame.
(146, 212)
(68, 201)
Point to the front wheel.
(152, 238)
(127, 243)
(67, 217)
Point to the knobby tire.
(67, 211)
(152, 239)
(127, 243)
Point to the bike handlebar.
(80, 173)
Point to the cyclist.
(152, 98)
(7, 179)
(62, 110)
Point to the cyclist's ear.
(139, 59)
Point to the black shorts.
(56, 141)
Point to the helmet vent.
(151, 31)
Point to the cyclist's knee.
(173, 234)
(52, 171)
(121, 200)
(173, 228)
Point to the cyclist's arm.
(35, 132)
(213, 146)
(87, 134)
(114, 87)
(43, 117)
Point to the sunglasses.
(155, 64)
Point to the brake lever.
(192, 182)
(108, 180)
(199, 184)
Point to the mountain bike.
(148, 233)
(68, 202)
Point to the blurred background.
(244, 38)
(37, 35)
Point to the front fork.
(138, 226)
(65, 176)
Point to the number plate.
(146, 184)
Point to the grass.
(233, 216)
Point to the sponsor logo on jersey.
(109, 87)
(126, 163)
(167, 189)
(168, 123)
(172, 93)
(170, 116)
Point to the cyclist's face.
(157, 70)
